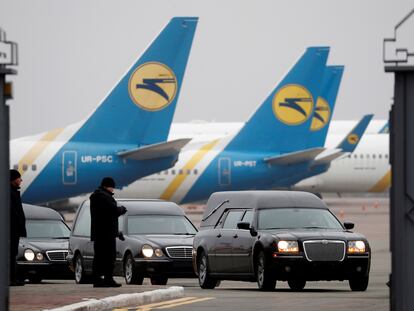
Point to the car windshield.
(297, 218)
(52, 229)
(160, 224)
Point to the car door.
(81, 236)
(242, 247)
(224, 242)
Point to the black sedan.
(158, 243)
(266, 236)
(42, 255)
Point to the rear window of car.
(160, 224)
(297, 218)
(52, 229)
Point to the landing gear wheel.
(204, 278)
(359, 284)
(265, 280)
(131, 273)
(297, 285)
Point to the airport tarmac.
(371, 218)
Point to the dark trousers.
(14, 247)
(104, 259)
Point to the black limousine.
(42, 255)
(265, 236)
(158, 243)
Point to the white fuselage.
(365, 170)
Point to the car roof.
(219, 201)
(40, 212)
(149, 207)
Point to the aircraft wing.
(155, 151)
(328, 156)
(295, 157)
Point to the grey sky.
(71, 53)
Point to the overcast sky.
(71, 53)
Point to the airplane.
(367, 169)
(274, 143)
(125, 137)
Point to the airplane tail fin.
(140, 108)
(350, 142)
(281, 122)
(325, 105)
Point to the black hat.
(14, 174)
(108, 182)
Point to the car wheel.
(35, 279)
(359, 284)
(204, 278)
(159, 280)
(131, 273)
(297, 285)
(80, 275)
(265, 280)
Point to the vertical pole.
(4, 198)
(402, 191)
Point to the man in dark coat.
(17, 223)
(104, 231)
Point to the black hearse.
(158, 243)
(266, 236)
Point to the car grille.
(56, 255)
(324, 250)
(179, 251)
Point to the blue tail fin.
(140, 108)
(351, 141)
(325, 106)
(281, 122)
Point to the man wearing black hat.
(17, 223)
(104, 231)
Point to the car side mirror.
(243, 225)
(349, 225)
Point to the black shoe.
(16, 283)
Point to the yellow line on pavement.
(159, 304)
(185, 303)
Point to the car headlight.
(356, 247)
(288, 246)
(147, 250)
(39, 256)
(29, 254)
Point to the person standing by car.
(104, 231)
(17, 224)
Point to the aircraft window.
(355, 156)
(195, 172)
(349, 155)
(24, 167)
(386, 156)
(166, 172)
(361, 156)
(373, 156)
(180, 172)
(16, 166)
(188, 172)
(367, 156)
(173, 172)
(380, 156)
(34, 167)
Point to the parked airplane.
(123, 138)
(367, 169)
(275, 143)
